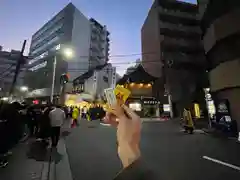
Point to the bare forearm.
(128, 154)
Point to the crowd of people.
(19, 121)
(45, 121)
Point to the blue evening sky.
(124, 19)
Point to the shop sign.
(223, 116)
(223, 107)
(151, 102)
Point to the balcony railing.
(180, 27)
(181, 42)
(177, 13)
(184, 58)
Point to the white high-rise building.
(71, 30)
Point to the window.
(105, 79)
(135, 106)
(46, 35)
(48, 25)
(41, 65)
(38, 57)
(56, 38)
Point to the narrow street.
(172, 154)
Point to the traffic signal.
(64, 78)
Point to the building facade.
(99, 47)
(173, 52)
(141, 99)
(71, 30)
(221, 39)
(95, 81)
(8, 62)
(132, 68)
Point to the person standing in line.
(84, 112)
(57, 117)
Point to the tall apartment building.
(69, 29)
(173, 52)
(221, 39)
(8, 62)
(99, 47)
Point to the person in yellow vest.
(75, 115)
(188, 121)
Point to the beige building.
(173, 52)
(221, 39)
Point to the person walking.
(84, 112)
(57, 117)
(75, 115)
(31, 121)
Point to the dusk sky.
(123, 18)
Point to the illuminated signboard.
(150, 101)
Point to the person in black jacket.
(128, 139)
(45, 127)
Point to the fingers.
(110, 119)
(130, 112)
(118, 111)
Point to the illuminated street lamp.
(5, 98)
(24, 88)
(68, 53)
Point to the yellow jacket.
(75, 113)
(188, 118)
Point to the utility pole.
(53, 78)
(18, 66)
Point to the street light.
(24, 88)
(5, 98)
(68, 53)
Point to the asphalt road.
(171, 154)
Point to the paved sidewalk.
(28, 162)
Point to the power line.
(133, 54)
(120, 63)
(86, 69)
(102, 57)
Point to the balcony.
(95, 29)
(177, 13)
(168, 41)
(180, 27)
(96, 55)
(94, 37)
(94, 46)
(177, 58)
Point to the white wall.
(101, 84)
(81, 44)
(95, 85)
(90, 85)
(113, 77)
